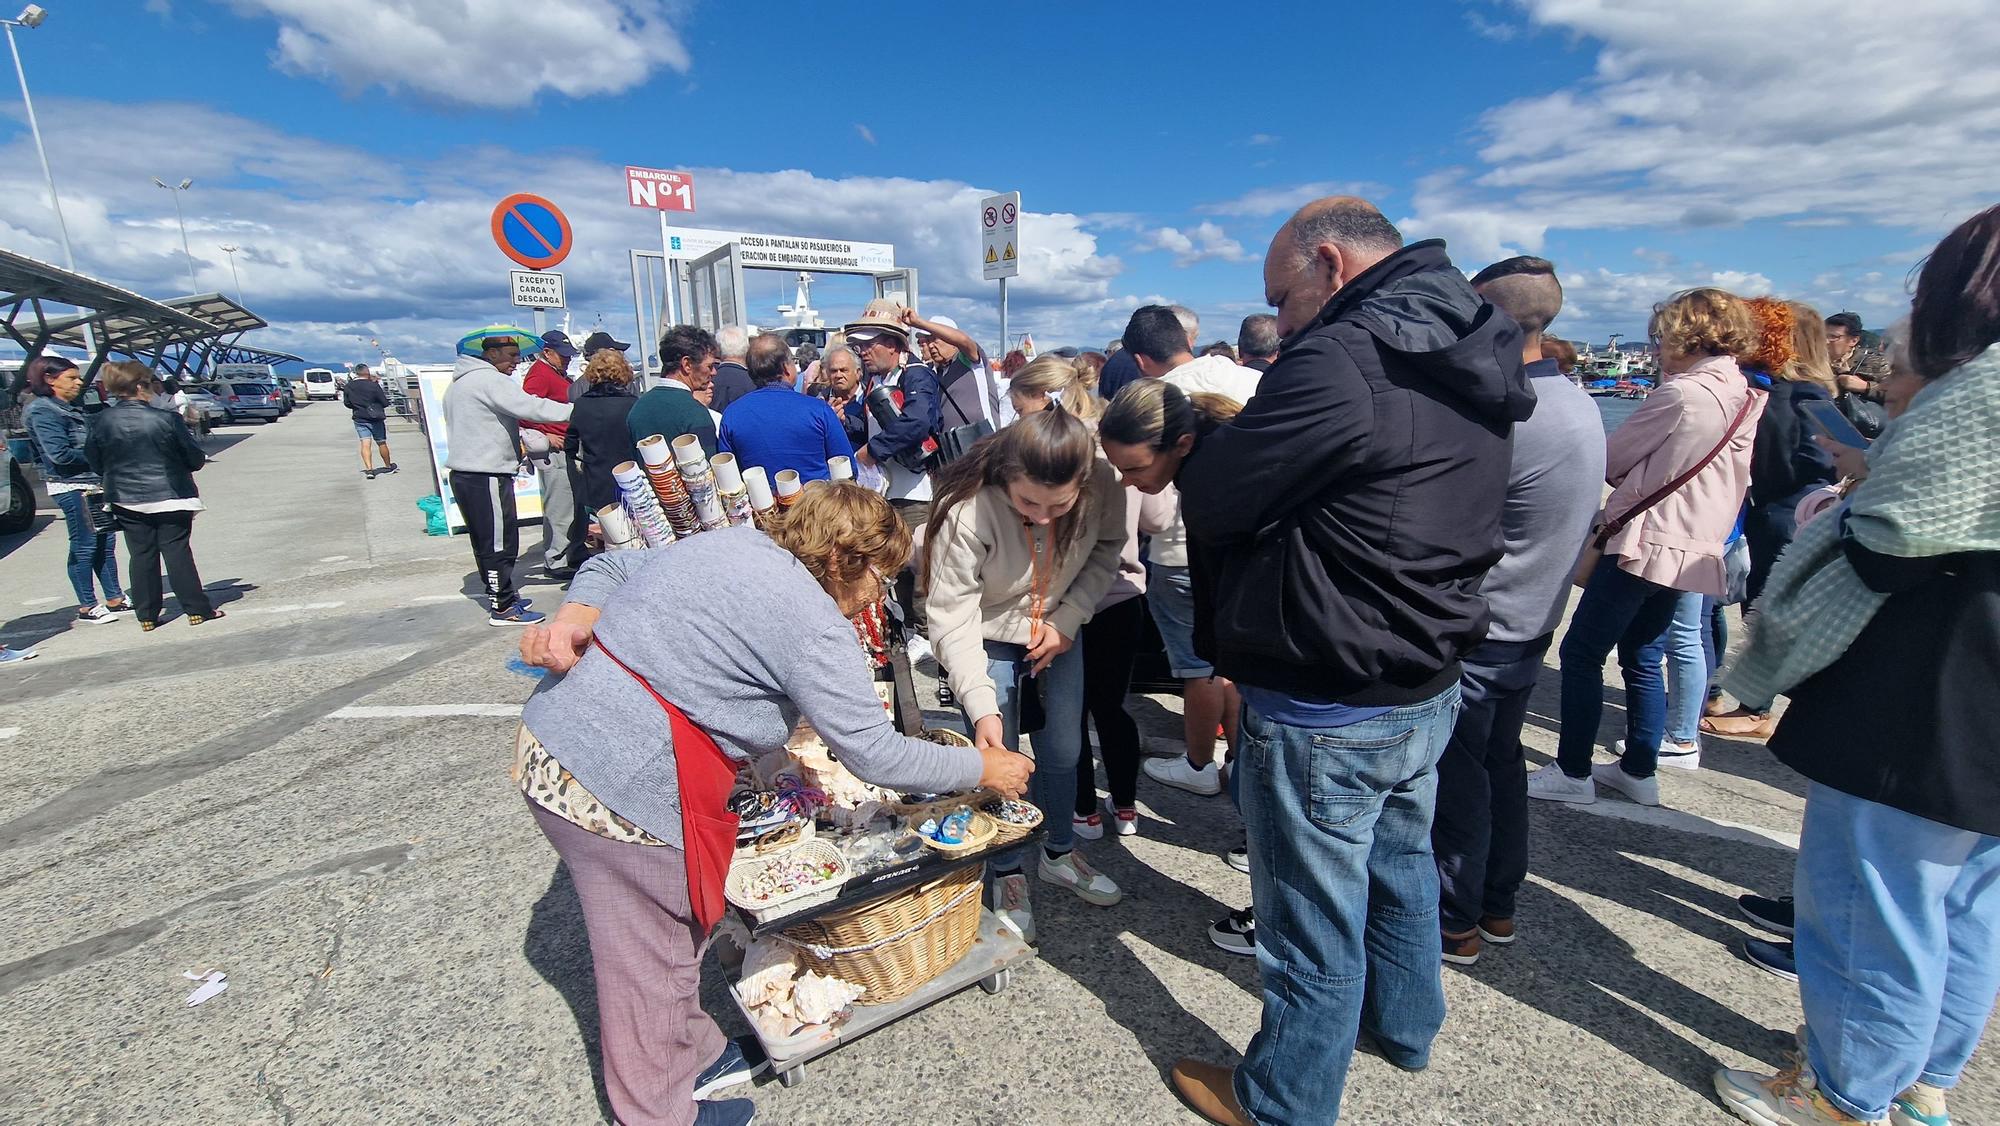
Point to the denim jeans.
(1687, 670)
(92, 554)
(1898, 933)
(1714, 641)
(1057, 745)
(1346, 890)
(1481, 831)
(1624, 612)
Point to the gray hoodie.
(480, 409)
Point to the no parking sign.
(531, 231)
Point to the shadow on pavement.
(43, 519)
(558, 947)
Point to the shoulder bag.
(1604, 531)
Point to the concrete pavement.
(311, 795)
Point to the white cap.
(947, 322)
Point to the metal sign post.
(1000, 247)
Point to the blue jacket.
(58, 431)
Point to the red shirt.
(546, 382)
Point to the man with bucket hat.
(903, 413)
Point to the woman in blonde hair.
(597, 426)
(677, 666)
(1052, 379)
(1024, 539)
(1678, 467)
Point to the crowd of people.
(1356, 531)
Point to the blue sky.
(352, 148)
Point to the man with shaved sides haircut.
(1554, 481)
(1340, 527)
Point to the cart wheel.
(792, 1077)
(994, 983)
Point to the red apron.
(708, 829)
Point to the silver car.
(249, 400)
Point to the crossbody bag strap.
(1612, 527)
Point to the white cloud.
(1263, 139)
(1489, 29)
(1200, 243)
(338, 244)
(865, 133)
(499, 53)
(1600, 301)
(1283, 201)
(1692, 119)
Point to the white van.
(319, 384)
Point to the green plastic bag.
(433, 509)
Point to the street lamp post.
(31, 17)
(193, 285)
(231, 249)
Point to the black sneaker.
(370, 473)
(389, 468)
(1774, 958)
(1773, 915)
(725, 1112)
(1236, 932)
(740, 1062)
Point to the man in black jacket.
(1340, 527)
(370, 404)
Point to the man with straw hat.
(903, 413)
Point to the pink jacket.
(1678, 542)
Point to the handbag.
(1736, 572)
(954, 443)
(102, 519)
(1604, 531)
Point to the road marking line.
(1664, 818)
(289, 607)
(427, 711)
(334, 558)
(9, 732)
(42, 601)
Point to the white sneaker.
(1551, 784)
(1680, 756)
(1072, 871)
(1010, 906)
(1125, 823)
(1181, 774)
(1645, 791)
(1084, 828)
(919, 650)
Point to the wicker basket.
(745, 868)
(978, 834)
(1006, 832)
(893, 946)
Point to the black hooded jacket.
(1341, 525)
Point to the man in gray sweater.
(1555, 482)
(482, 408)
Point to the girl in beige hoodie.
(1025, 535)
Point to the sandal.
(148, 627)
(197, 619)
(1740, 725)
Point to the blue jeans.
(1057, 745)
(1339, 823)
(1898, 935)
(1687, 670)
(1625, 612)
(91, 553)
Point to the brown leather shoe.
(1496, 930)
(1462, 949)
(1210, 1090)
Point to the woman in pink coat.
(1700, 424)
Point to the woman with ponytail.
(1024, 541)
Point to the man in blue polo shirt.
(776, 428)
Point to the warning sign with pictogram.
(999, 235)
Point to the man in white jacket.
(483, 452)
(1158, 344)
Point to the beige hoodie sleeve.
(1105, 539)
(953, 608)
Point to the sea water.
(1616, 410)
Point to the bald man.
(1341, 614)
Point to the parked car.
(210, 407)
(17, 502)
(320, 384)
(249, 400)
